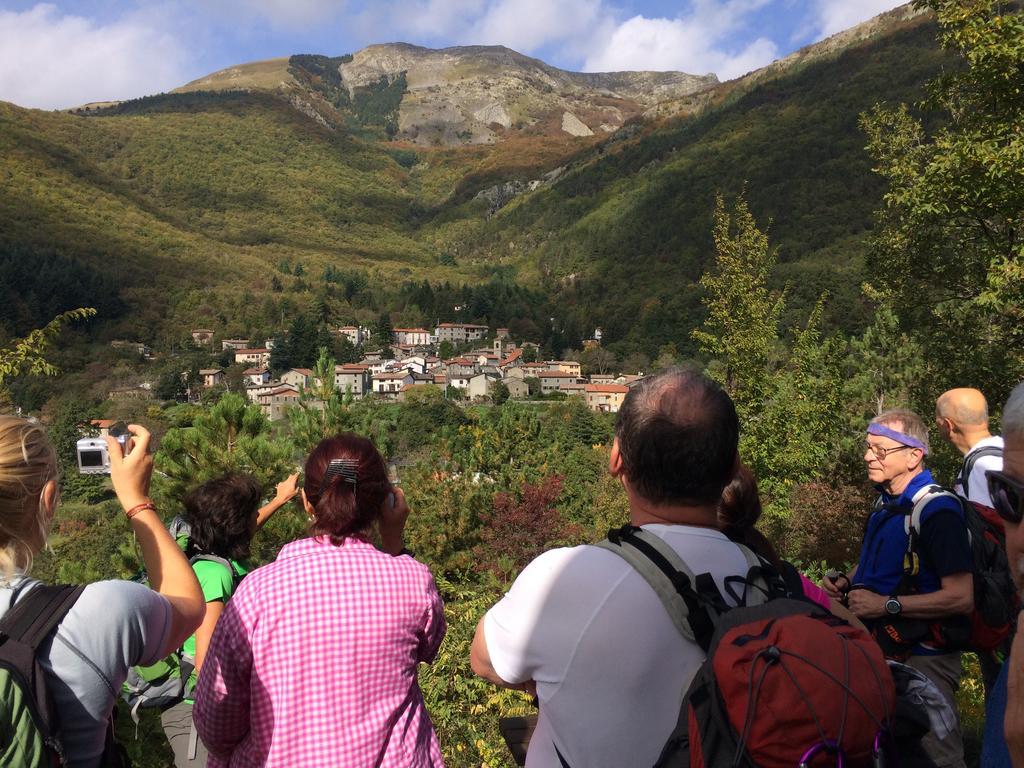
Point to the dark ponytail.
(343, 508)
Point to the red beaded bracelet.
(138, 508)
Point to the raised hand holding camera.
(131, 466)
(93, 453)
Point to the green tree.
(950, 246)
(27, 356)
(232, 436)
(71, 422)
(344, 350)
(741, 330)
(383, 333)
(322, 410)
(498, 392)
(794, 435)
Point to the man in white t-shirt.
(582, 628)
(962, 418)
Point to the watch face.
(893, 606)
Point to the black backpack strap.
(33, 618)
(25, 627)
(970, 460)
(791, 578)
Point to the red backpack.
(785, 683)
(996, 603)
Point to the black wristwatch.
(893, 606)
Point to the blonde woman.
(113, 625)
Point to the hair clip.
(343, 468)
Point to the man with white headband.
(917, 603)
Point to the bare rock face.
(574, 126)
(477, 94)
(467, 95)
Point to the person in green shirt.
(223, 515)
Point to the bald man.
(962, 418)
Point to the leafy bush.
(826, 522)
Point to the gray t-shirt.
(113, 626)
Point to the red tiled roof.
(513, 356)
(610, 389)
(557, 375)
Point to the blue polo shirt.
(943, 545)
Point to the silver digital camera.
(93, 457)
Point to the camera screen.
(91, 458)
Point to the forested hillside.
(162, 195)
(632, 227)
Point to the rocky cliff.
(469, 95)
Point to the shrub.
(826, 523)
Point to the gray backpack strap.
(653, 575)
(235, 575)
(663, 586)
(921, 499)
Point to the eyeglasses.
(881, 451)
(1007, 495)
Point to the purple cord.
(825, 746)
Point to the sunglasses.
(1007, 495)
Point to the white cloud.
(697, 42)
(51, 61)
(526, 25)
(837, 15)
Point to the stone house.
(459, 333)
(352, 377)
(517, 388)
(280, 399)
(202, 337)
(388, 385)
(556, 381)
(352, 333)
(259, 356)
(257, 392)
(256, 376)
(417, 337)
(211, 377)
(566, 366)
(300, 378)
(479, 386)
(606, 397)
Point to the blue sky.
(68, 52)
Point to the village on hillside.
(487, 367)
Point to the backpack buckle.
(911, 564)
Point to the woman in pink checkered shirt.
(313, 662)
